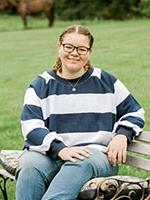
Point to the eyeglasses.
(69, 48)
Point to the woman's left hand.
(117, 150)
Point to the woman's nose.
(75, 52)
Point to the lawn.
(121, 47)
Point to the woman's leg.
(34, 174)
(67, 183)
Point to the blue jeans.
(42, 178)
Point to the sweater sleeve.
(56, 146)
(128, 132)
(130, 115)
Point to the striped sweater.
(54, 116)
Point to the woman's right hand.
(74, 153)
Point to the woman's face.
(74, 59)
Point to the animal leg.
(50, 13)
(22, 10)
(24, 18)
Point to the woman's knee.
(28, 165)
(37, 164)
(79, 167)
(101, 165)
(31, 158)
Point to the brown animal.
(3, 4)
(28, 7)
(6, 5)
(9, 6)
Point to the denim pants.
(41, 178)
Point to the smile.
(73, 60)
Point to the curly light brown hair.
(72, 29)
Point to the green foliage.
(119, 9)
(144, 8)
(107, 9)
(78, 9)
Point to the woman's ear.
(58, 45)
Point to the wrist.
(120, 136)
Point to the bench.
(111, 188)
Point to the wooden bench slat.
(142, 148)
(4, 173)
(138, 162)
(144, 136)
(11, 152)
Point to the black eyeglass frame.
(77, 49)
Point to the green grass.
(121, 47)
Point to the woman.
(77, 121)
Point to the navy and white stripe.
(97, 109)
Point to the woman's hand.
(117, 150)
(74, 153)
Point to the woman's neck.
(73, 75)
